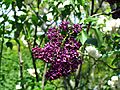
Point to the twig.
(87, 76)
(39, 17)
(102, 61)
(100, 5)
(35, 35)
(118, 10)
(107, 65)
(36, 13)
(79, 70)
(78, 76)
(92, 8)
(43, 78)
(1, 50)
(19, 51)
(65, 84)
(68, 82)
(20, 64)
(33, 59)
(35, 38)
(92, 11)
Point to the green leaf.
(22, 17)
(7, 3)
(82, 2)
(45, 18)
(99, 37)
(90, 19)
(9, 44)
(116, 60)
(19, 29)
(19, 4)
(34, 19)
(59, 3)
(92, 41)
(82, 37)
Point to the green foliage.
(82, 37)
(23, 21)
(9, 44)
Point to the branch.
(33, 59)
(35, 38)
(118, 10)
(92, 11)
(39, 17)
(79, 70)
(78, 76)
(92, 7)
(1, 50)
(107, 65)
(68, 82)
(43, 78)
(37, 14)
(19, 51)
(87, 76)
(21, 65)
(100, 5)
(65, 84)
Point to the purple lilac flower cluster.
(62, 56)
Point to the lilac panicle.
(63, 60)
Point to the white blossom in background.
(18, 86)
(66, 2)
(32, 72)
(114, 78)
(101, 19)
(40, 31)
(49, 16)
(24, 41)
(114, 82)
(111, 26)
(111, 83)
(28, 1)
(72, 83)
(92, 51)
(96, 88)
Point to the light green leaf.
(99, 37)
(82, 37)
(82, 2)
(90, 19)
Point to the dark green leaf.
(45, 18)
(92, 41)
(9, 44)
(116, 60)
(22, 17)
(19, 29)
(19, 4)
(34, 19)
(7, 3)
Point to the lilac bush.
(60, 51)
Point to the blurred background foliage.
(24, 23)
